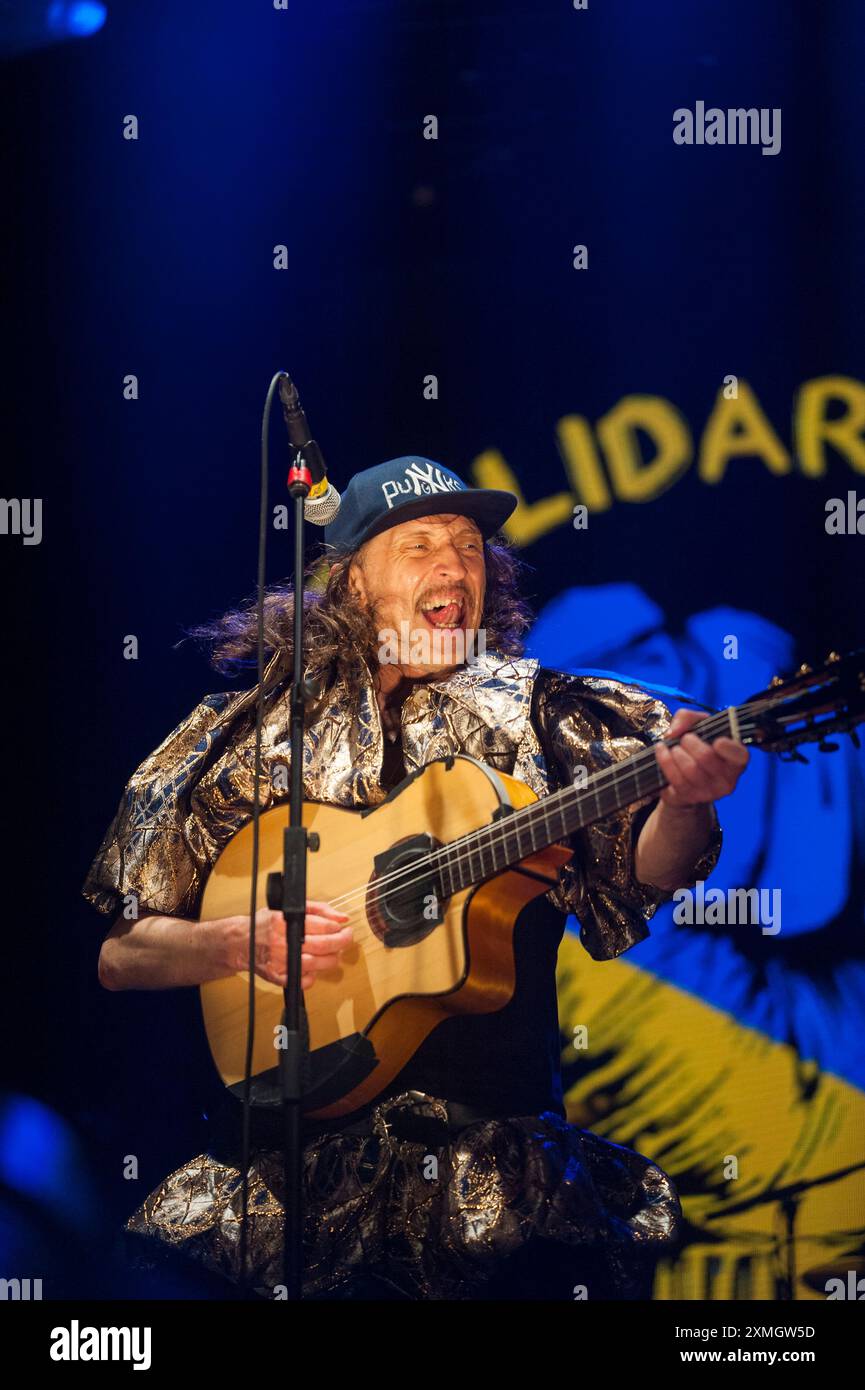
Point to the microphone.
(323, 502)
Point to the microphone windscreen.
(322, 510)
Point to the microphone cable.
(263, 526)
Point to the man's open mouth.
(446, 612)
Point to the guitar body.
(417, 958)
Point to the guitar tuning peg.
(776, 680)
(832, 658)
(804, 670)
(827, 747)
(792, 756)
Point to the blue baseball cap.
(407, 487)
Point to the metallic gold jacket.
(188, 798)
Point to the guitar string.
(621, 771)
(603, 781)
(445, 858)
(360, 920)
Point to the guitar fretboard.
(518, 834)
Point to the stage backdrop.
(514, 240)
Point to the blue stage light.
(41, 1160)
(34, 1145)
(38, 24)
(75, 17)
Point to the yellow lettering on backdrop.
(580, 457)
(738, 426)
(813, 431)
(633, 479)
(531, 519)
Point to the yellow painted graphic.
(732, 1116)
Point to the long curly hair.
(339, 633)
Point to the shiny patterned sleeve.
(592, 722)
(153, 848)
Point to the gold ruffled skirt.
(528, 1207)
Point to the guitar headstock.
(807, 706)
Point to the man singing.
(518, 1204)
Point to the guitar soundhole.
(404, 901)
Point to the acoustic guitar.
(433, 880)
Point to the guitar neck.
(518, 834)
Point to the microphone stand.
(286, 892)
